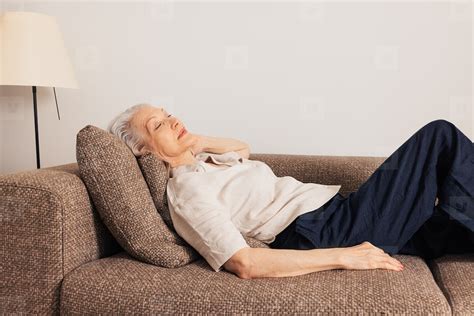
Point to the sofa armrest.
(349, 171)
(49, 227)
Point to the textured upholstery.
(48, 229)
(121, 285)
(156, 176)
(455, 276)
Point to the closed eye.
(160, 124)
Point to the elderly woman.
(216, 195)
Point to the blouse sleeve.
(209, 230)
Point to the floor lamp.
(32, 53)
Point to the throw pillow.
(121, 196)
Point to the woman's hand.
(366, 256)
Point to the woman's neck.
(188, 158)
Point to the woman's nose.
(175, 123)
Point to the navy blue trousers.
(394, 209)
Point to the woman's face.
(161, 130)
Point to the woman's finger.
(392, 266)
(387, 258)
(386, 255)
(396, 264)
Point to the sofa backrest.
(349, 171)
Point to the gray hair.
(121, 127)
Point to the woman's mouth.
(184, 131)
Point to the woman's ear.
(143, 151)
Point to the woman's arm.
(220, 145)
(268, 262)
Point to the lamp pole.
(35, 109)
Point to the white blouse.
(213, 208)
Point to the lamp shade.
(32, 51)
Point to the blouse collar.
(230, 159)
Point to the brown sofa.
(58, 257)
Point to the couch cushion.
(454, 274)
(156, 176)
(121, 197)
(121, 285)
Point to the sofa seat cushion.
(120, 284)
(454, 274)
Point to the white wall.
(353, 78)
